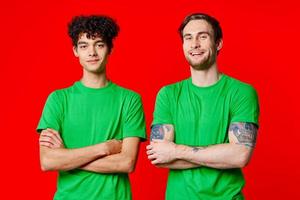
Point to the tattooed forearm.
(161, 132)
(157, 132)
(245, 133)
(167, 127)
(196, 149)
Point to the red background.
(261, 41)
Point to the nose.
(195, 43)
(92, 51)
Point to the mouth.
(196, 53)
(93, 61)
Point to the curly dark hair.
(209, 19)
(94, 26)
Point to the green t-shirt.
(86, 116)
(201, 117)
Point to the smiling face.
(199, 46)
(92, 53)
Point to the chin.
(200, 66)
(98, 69)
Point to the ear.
(75, 51)
(219, 44)
(111, 50)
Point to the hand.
(113, 146)
(161, 151)
(51, 138)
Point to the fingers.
(156, 161)
(56, 133)
(46, 144)
(151, 157)
(50, 138)
(53, 134)
(45, 140)
(151, 153)
(149, 147)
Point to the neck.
(207, 77)
(94, 80)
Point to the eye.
(203, 36)
(100, 45)
(82, 46)
(187, 38)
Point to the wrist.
(179, 151)
(102, 149)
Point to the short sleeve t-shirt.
(87, 116)
(201, 116)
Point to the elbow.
(45, 165)
(48, 164)
(44, 168)
(243, 159)
(128, 165)
(243, 162)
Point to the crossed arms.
(112, 156)
(163, 152)
(115, 156)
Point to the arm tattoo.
(245, 133)
(157, 132)
(196, 149)
(168, 127)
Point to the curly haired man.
(90, 131)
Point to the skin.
(200, 50)
(112, 156)
(92, 54)
(54, 156)
(235, 154)
(123, 162)
(165, 133)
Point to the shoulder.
(241, 94)
(174, 88)
(60, 94)
(126, 93)
(240, 88)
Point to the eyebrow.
(81, 42)
(97, 41)
(199, 33)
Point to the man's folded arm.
(165, 132)
(123, 162)
(54, 156)
(235, 154)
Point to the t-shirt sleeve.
(52, 114)
(162, 112)
(245, 105)
(134, 123)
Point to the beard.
(204, 64)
